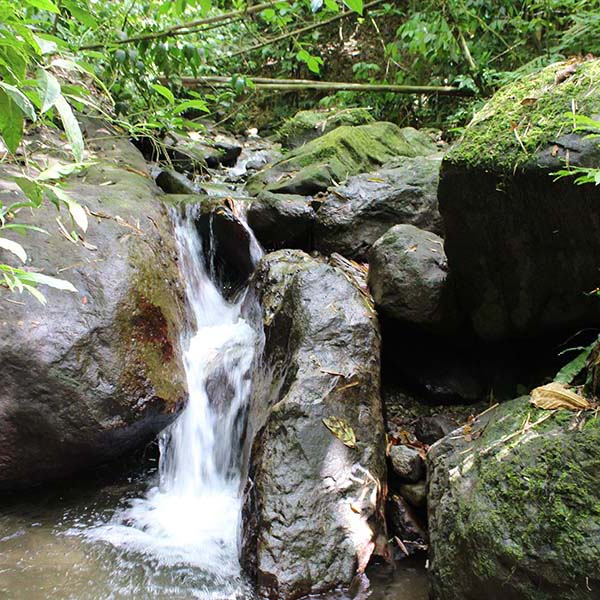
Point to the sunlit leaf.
(164, 92)
(20, 99)
(71, 127)
(49, 89)
(341, 430)
(14, 247)
(44, 5)
(555, 395)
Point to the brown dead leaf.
(565, 73)
(555, 150)
(529, 101)
(556, 395)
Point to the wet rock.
(335, 156)
(172, 182)
(282, 220)
(353, 215)
(306, 125)
(312, 511)
(229, 149)
(405, 527)
(92, 375)
(517, 517)
(227, 246)
(195, 155)
(430, 429)
(408, 278)
(521, 246)
(414, 493)
(407, 463)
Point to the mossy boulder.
(95, 374)
(514, 506)
(337, 155)
(522, 246)
(306, 125)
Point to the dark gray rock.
(408, 278)
(405, 527)
(430, 429)
(355, 214)
(414, 493)
(95, 374)
(523, 247)
(282, 220)
(516, 517)
(313, 510)
(172, 182)
(407, 463)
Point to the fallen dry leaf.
(557, 395)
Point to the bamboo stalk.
(303, 30)
(307, 84)
(182, 29)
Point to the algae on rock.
(514, 512)
(335, 156)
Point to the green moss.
(524, 117)
(308, 124)
(335, 156)
(533, 511)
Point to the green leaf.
(164, 91)
(11, 122)
(49, 89)
(14, 247)
(77, 211)
(53, 282)
(187, 104)
(341, 430)
(82, 15)
(22, 228)
(35, 293)
(20, 99)
(71, 127)
(568, 373)
(44, 5)
(31, 189)
(355, 5)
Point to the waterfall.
(192, 516)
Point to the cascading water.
(192, 517)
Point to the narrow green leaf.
(71, 127)
(568, 373)
(11, 122)
(14, 247)
(53, 282)
(82, 15)
(49, 89)
(164, 92)
(77, 211)
(31, 189)
(35, 293)
(22, 228)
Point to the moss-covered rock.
(97, 373)
(335, 156)
(523, 247)
(306, 125)
(514, 511)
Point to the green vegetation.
(131, 61)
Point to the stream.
(169, 527)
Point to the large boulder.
(94, 374)
(306, 125)
(282, 220)
(514, 506)
(408, 275)
(522, 246)
(353, 215)
(337, 155)
(313, 509)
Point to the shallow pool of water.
(46, 551)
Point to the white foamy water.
(192, 517)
